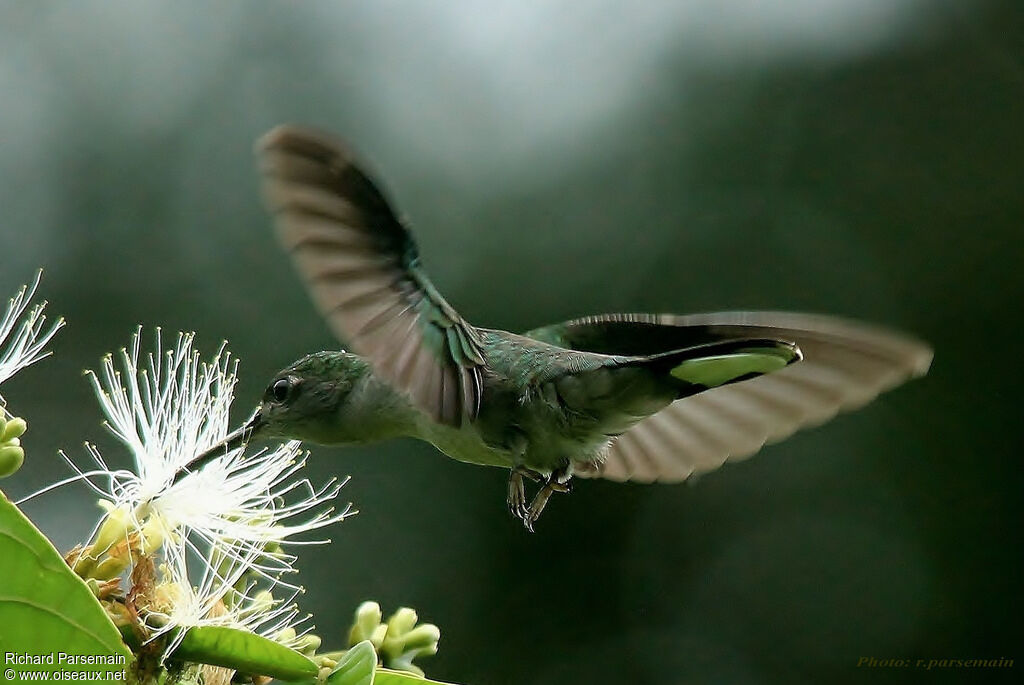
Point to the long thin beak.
(234, 440)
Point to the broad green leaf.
(243, 651)
(356, 667)
(385, 676)
(48, 611)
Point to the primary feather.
(362, 268)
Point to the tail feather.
(699, 368)
(624, 390)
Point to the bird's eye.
(280, 389)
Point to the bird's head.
(310, 400)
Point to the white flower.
(167, 410)
(215, 534)
(247, 501)
(26, 347)
(224, 596)
(170, 410)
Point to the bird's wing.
(362, 269)
(845, 365)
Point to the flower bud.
(11, 459)
(262, 601)
(377, 636)
(367, 621)
(401, 622)
(326, 662)
(307, 644)
(13, 428)
(406, 641)
(113, 530)
(152, 535)
(423, 638)
(110, 568)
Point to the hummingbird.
(623, 397)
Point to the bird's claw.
(557, 482)
(537, 506)
(517, 495)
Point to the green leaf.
(356, 667)
(243, 651)
(388, 677)
(46, 610)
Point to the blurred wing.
(362, 269)
(846, 364)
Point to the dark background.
(859, 157)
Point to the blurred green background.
(858, 157)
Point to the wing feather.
(362, 270)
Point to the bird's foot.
(516, 494)
(559, 481)
(540, 500)
(517, 490)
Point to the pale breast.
(465, 444)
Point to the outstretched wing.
(845, 365)
(362, 269)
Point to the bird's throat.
(373, 411)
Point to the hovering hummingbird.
(625, 397)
